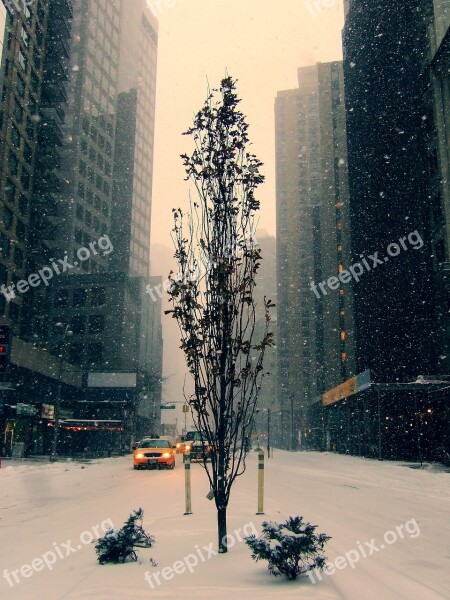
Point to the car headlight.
(188, 447)
(178, 445)
(139, 456)
(167, 455)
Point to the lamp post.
(67, 333)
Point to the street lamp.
(67, 333)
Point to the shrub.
(291, 548)
(117, 546)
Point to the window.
(82, 168)
(88, 218)
(18, 112)
(76, 354)
(78, 324)
(10, 192)
(3, 274)
(23, 204)
(79, 297)
(79, 212)
(22, 60)
(8, 218)
(96, 324)
(20, 87)
(18, 257)
(28, 154)
(25, 37)
(21, 231)
(5, 246)
(13, 163)
(25, 179)
(61, 298)
(30, 129)
(78, 236)
(98, 296)
(15, 136)
(95, 353)
(34, 82)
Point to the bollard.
(187, 481)
(260, 483)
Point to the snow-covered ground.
(51, 511)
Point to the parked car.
(154, 453)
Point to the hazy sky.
(259, 42)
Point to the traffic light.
(5, 347)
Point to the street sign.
(167, 406)
(185, 409)
(26, 410)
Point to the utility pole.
(292, 423)
(67, 332)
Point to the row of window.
(80, 297)
(93, 353)
(103, 164)
(93, 132)
(89, 219)
(93, 199)
(94, 178)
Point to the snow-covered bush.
(291, 548)
(119, 545)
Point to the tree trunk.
(222, 528)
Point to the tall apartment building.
(439, 36)
(315, 330)
(337, 352)
(298, 201)
(77, 125)
(22, 74)
(391, 165)
(107, 179)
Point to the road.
(393, 520)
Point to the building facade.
(314, 341)
(391, 167)
(76, 170)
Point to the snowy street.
(51, 510)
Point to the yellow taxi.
(152, 453)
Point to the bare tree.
(213, 292)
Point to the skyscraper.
(315, 328)
(391, 165)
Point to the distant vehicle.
(154, 453)
(199, 450)
(180, 446)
